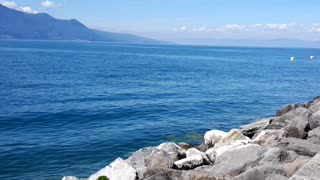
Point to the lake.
(70, 108)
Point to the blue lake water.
(72, 108)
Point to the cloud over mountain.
(48, 4)
(9, 4)
(13, 5)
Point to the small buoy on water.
(292, 59)
(311, 57)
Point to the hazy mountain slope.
(19, 25)
(120, 37)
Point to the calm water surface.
(71, 108)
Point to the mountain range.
(19, 25)
(15, 24)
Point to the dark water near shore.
(71, 108)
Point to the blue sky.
(190, 21)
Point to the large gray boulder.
(308, 104)
(314, 106)
(217, 150)
(310, 171)
(292, 156)
(274, 155)
(202, 147)
(285, 119)
(277, 163)
(276, 177)
(301, 146)
(231, 163)
(171, 174)
(212, 137)
(198, 175)
(193, 152)
(211, 154)
(262, 172)
(175, 152)
(148, 161)
(250, 130)
(292, 167)
(314, 135)
(118, 169)
(167, 174)
(269, 137)
(294, 132)
(209, 157)
(190, 162)
(195, 158)
(286, 109)
(232, 136)
(314, 121)
(297, 127)
(299, 111)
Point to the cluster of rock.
(282, 147)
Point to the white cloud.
(9, 4)
(253, 30)
(48, 4)
(27, 10)
(281, 27)
(315, 28)
(234, 27)
(289, 30)
(201, 29)
(257, 25)
(192, 29)
(229, 27)
(181, 29)
(13, 5)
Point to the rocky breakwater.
(285, 146)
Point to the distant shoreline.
(161, 44)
